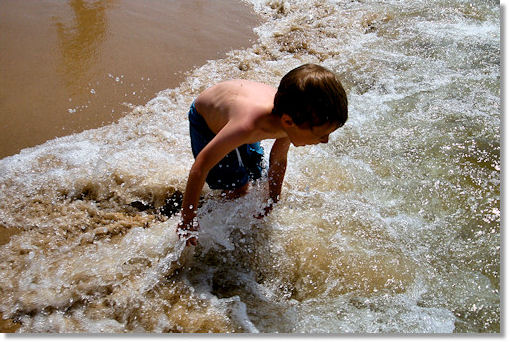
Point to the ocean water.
(392, 227)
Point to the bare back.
(241, 102)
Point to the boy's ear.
(287, 120)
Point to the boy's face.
(304, 135)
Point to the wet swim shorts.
(236, 168)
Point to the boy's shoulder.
(250, 90)
(243, 102)
(241, 97)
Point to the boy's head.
(312, 96)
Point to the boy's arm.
(277, 167)
(228, 138)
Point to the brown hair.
(311, 95)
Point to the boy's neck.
(274, 126)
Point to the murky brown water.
(71, 65)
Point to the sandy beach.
(72, 65)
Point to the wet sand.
(7, 325)
(72, 65)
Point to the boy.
(228, 119)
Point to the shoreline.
(90, 80)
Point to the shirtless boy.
(228, 120)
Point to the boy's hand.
(184, 231)
(266, 211)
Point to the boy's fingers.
(185, 234)
(267, 210)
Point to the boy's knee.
(237, 192)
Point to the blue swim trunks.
(236, 168)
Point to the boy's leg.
(249, 167)
(235, 193)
